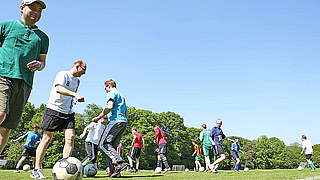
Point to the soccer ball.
(300, 168)
(201, 169)
(26, 167)
(186, 170)
(90, 170)
(158, 170)
(246, 169)
(67, 169)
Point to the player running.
(235, 148)
(206, 145)
(216, 137)
(160, 139)
(136, 149)
(196, 155)
(307, 149)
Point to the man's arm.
(142, 143)
(105, 111)
(201, 136)
(66, 92)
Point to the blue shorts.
(235, 155)
(197, 158)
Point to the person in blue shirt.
(235, 148)
(116, 110)
(216, 136)
(29, 149)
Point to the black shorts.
(218, 150)
(162, 148)
(57, 121)
(308, 156)
(28, 151)
(135, 152)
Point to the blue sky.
(255, 64)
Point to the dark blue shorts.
(235, 155)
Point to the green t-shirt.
(204, 137)
(19, 45)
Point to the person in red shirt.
(136, 149)
(160, 139)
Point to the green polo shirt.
(19, 45)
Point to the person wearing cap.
(23, 50)
(29, 149)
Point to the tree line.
(262, 153)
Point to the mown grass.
(148, 174)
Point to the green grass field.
(148, 174)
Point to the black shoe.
(118, 170)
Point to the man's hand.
(35, 65)
(79, 98)
(82, 135)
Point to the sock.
(311, 165)
(236, 167)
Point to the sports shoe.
(136, 171)
(208, 170)
(121, 167)
(37, 174)
(131, 170)
(212, 166)
(166, 170)
(119, 175)
(16, 171)
(216, 172)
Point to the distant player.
(196, 155)
(29, 149)
(136, 149)
(307, 149)
(235, 148)
(216, 137)
(120, 149)
(160, 139)
(207, 145)
(95, 131)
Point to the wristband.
(41, 64)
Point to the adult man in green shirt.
(23, 50)
(206, 143)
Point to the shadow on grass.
(130, 176)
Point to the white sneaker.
(166, 170)
(37, 174)
(40, 174)
(212, 167)
(16, 171)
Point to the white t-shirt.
(59, 102)
(308, 145)
(95, 132)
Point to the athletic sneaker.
(131, 170)
(121, 167)
(37, 174)
(136, 171)
(16, 171)
(216, 172)
(166, 170)
(212, 166)
(208, 170)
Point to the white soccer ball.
(158, 170)
(300, 168)
(186, 170)
(246, 169)
(201, 169)
(90, 170)
(67, 169)
(26, 167)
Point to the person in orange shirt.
(196, 155)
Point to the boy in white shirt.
(307, 149)
(92, 141)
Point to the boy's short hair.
(35, 126)
(110, 82)
(134, 128)
(204, 126)
(303, 136)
